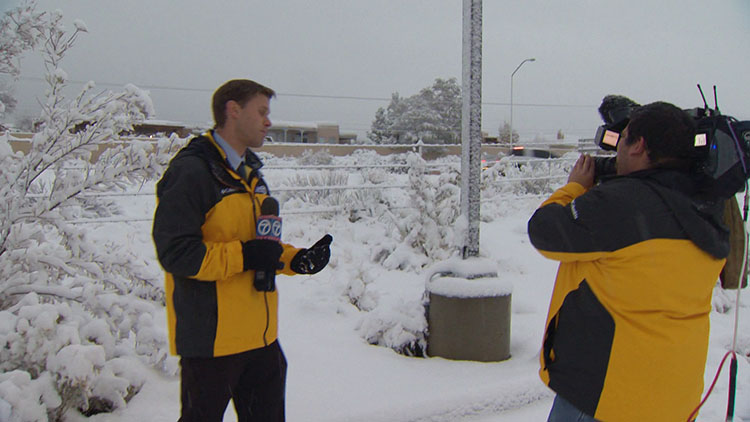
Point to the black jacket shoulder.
(626, 210)
(669, 196)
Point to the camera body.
(721, 149)
(604, 166)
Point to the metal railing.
(549, 162)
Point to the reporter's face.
(253, 121)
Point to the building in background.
(157, 128)
(308, 133)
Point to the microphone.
(268, 227)
(616, 108)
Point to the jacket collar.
(252, 160)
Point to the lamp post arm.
(521, 64)
(510, 139)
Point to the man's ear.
(639, 147)
(232, 108)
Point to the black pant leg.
(206, 386)
(261, 390)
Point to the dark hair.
(239, 90)
(669, 132)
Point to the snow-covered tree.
(504, 134)
(21, 29)
(24, 123)
(433, 116)
(76, 310)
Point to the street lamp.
(511, 100)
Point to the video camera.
(721, 147)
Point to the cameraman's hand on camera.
(261, 254)
(583, 171)
(313, 259)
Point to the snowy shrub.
(401, 328)
(369, 202)
(365, 202)
(430, 230)
(315, 158)
(28, 398)
(509, 176)
(72, 306)
(522, 178)
(79, 353)
(358, 292)
(368, 157)
(312, 187)
(374, 175)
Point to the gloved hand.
(313, 259)
(261, 254)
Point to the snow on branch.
(73, 305)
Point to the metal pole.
(510, 137)
(511, 99)
(471, 123)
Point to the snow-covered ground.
(335, 375)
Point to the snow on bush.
(321, 186)
(312, 186)
(358, 289)
(420, 229)
(514, 176)
(20, 31)
(25, 399)
(417, 234)
(427, 225)
(315, 158)
(74, 310)
(401, 327)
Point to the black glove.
(313, 259)
(261, 254)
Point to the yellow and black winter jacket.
(204, 211)
(627, 330)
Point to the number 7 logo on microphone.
(269, 227)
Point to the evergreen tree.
(432, 116)
(504, 135)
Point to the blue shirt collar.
(233, 158)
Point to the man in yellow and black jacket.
(222, 326)
(628, 323)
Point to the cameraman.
(627, 328)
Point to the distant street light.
(511, 100)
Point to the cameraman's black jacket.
(204, 211)
(628, 323)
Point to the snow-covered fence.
(326, 189)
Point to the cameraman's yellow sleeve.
(565, 194)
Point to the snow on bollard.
(468, 311)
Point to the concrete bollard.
(468, 311)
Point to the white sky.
(584, 50)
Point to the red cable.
(713, 384)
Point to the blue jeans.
(563, 411)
